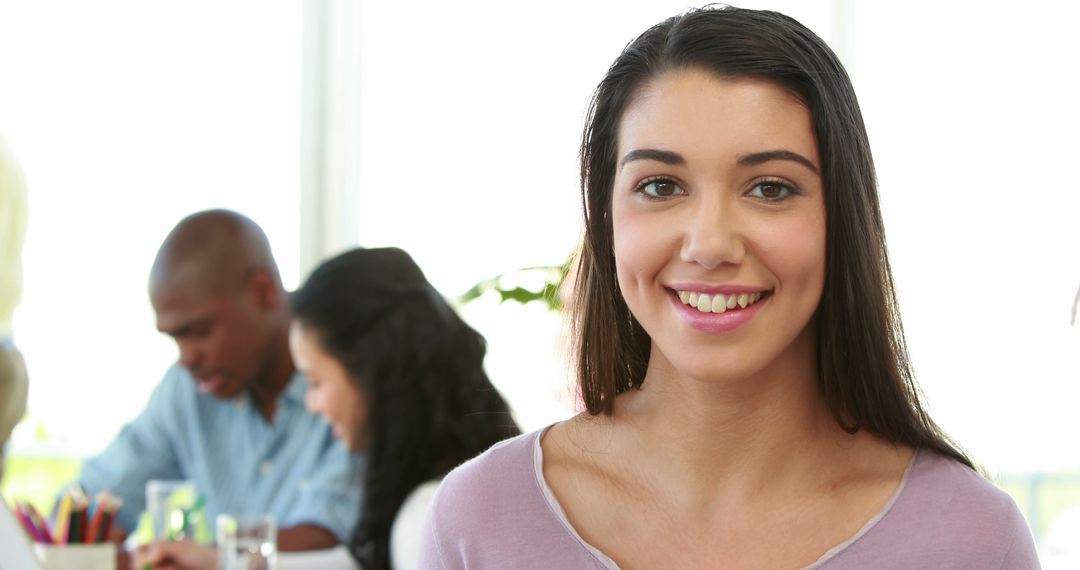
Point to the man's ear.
(263, 290)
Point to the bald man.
(230, 414)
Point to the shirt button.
(266, 467)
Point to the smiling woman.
(740, 353)
(741, 220)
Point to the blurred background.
(451, 129)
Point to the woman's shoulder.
(516, 450)
(505, 469)
(946, 512)
(494, 512)
(954, 491)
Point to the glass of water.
(166, 500)
(247, 542)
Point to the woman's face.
(331, 391)
(719, 223)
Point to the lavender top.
(497, 511)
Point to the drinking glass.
(246, 542)
(166, 501)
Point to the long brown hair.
(864, 373)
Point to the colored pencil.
(39, 522)
(63, 519)
(28, 523)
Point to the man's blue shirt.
(292, 468)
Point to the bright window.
(126, 116)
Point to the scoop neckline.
(560, 514)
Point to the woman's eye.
(660, 188)
(771, 190)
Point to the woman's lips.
(733, 309)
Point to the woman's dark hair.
(864, 373)
(420, 368)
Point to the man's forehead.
(176, 309)
(184, 277)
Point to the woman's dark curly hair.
(420, 367)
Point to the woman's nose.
(713, 235)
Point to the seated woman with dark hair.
(400, 377)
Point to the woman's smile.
(717, 309)
(718, 302)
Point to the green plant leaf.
(519, 294)
(554, 275)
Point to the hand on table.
(182, 555)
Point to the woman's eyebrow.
(757, 158)
(753, 159)
(665, 156)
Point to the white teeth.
(718, 303)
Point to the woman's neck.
(736, 434)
